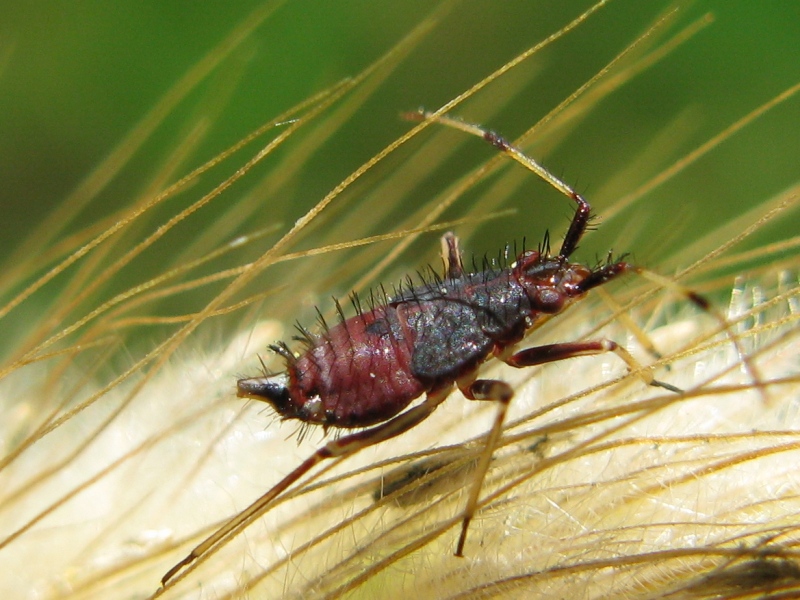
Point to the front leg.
(539, 355)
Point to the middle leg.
(501, 392)
(483, 389)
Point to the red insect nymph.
(365, 371)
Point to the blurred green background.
(76, 76)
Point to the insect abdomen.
(368, 368)
(357, 373)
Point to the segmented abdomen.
(368, 368)
(360, 370)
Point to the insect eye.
(549, 301)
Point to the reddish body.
(368, 368)
(357, 373)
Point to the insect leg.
(451, 254)
(577, 226)
(483, 389)
(580, 220)
(539, 355)
(342, 447)
(491, 389)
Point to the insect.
(364, 372)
